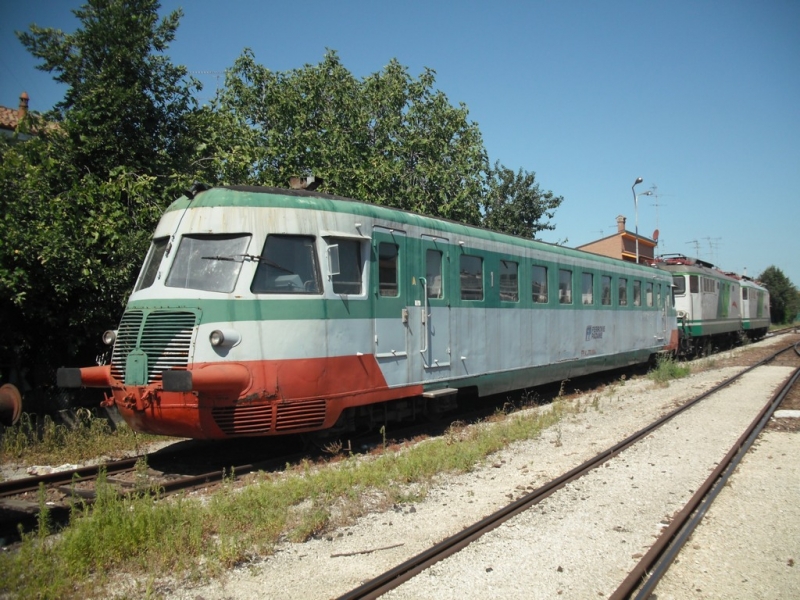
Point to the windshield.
(208, 262)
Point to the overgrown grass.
(45, 441)
(195, 538)
(667, 369)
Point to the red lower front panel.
(282, 397)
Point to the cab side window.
(288, 265)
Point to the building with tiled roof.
(10, 118)
(623, 245)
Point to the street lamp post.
(636, 206)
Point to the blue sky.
(700, 98)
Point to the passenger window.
(348, 280)
(744, 293)
(471, 272)
(387, 269)
(605, 291)
(648, 293)
(509, 281)
(694, 286)
(623, 291)
(587, 289)
(637, 293)
(539, 284)
(433, 273)
(564, 286)
(658, 295)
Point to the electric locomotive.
(265, 311)
(755, 309)
(714, 309)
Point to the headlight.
(224, 338)
(109, 337)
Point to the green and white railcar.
(755, 309)
(263, 311)
(708, 304)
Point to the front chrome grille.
(165, 336)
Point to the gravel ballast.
(583, 540)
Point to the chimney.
(620, 224)
(23, 106)
(309, 183)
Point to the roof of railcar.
(269, 197)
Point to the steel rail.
(655, 563)
(407, 570)
(15, 487)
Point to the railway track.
(644, 577)
(170, 471)
(174, 471)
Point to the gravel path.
(581, 541)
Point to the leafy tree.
(784, 301)
(389, 138)
(125, 102)
(80, 199)
(515, 204)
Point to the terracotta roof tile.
(9, 118)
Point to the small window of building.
(539, 284)
(387, 269)
(564, 286)
(509, 281)
(623, 291)
(348, 280)
(471, 272)
(637, 293)
(433, 274)
(288, 265)
(605, 290)
(587, 288)
(648, 293)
